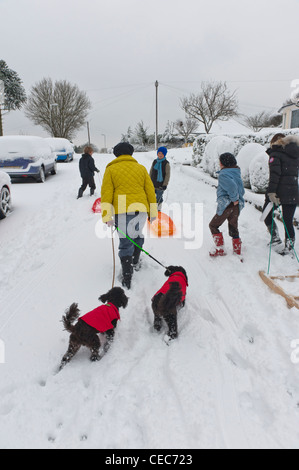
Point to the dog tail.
(71, 315)
(172, 298)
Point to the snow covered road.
(228, 380)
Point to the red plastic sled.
(163, 226)
(96, 208)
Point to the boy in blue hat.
(160, 174)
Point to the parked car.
(62, 147)
(27, 156)
(5, 194)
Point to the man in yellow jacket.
(127, 199)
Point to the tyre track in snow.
(37, 276)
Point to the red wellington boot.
(237, 246)
(218, 249)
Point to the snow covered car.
(5, 194)
(62, 147)
(27, 156)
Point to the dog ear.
(104, 298)
(125, 301)
(168, 271)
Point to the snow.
(213, 150)
(14, 146)
(4, 180)
(259, 172)
(245, 157)
(60, 144)
(228, 381)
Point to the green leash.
(271, 240)
(134, 243)
(293, 248)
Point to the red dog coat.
(101, 317)
(175, 277)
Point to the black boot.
(289, 247)
(276, 240)
(80, 193)
(136, 258)
(91, 191)
(127, 268)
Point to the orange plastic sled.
(96, 208)
(163, 226)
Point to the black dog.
(103, 319)
(169, 299)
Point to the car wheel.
(54, 170)
(4, 202)
(42, 175)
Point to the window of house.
(295, 118)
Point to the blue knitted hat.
(163, 150)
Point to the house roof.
(289, 105)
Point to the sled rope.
(293, 248)
(113, 253)
(132, 241)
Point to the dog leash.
(134, 243)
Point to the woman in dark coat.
(283, 185)
(87, 168)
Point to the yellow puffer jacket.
(128, 188)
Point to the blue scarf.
(158, 167)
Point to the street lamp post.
(104, 141)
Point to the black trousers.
(288, 212)
(88, 182)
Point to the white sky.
(115, 50)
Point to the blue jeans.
(132, 225)
(159, 196)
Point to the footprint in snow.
(237, 360)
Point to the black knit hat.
(228, 160)
(123, 148)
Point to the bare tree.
(61, 108)
(215, 102)
(257, 121)
(261, 120)
(185, 129)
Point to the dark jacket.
(87, 166)
(165, 173)
(283, 168)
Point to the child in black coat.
(87, 168)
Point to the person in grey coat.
(230, 202)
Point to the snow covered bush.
(199, 146)
(218, 145)
(259, 173)
(245, 157)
